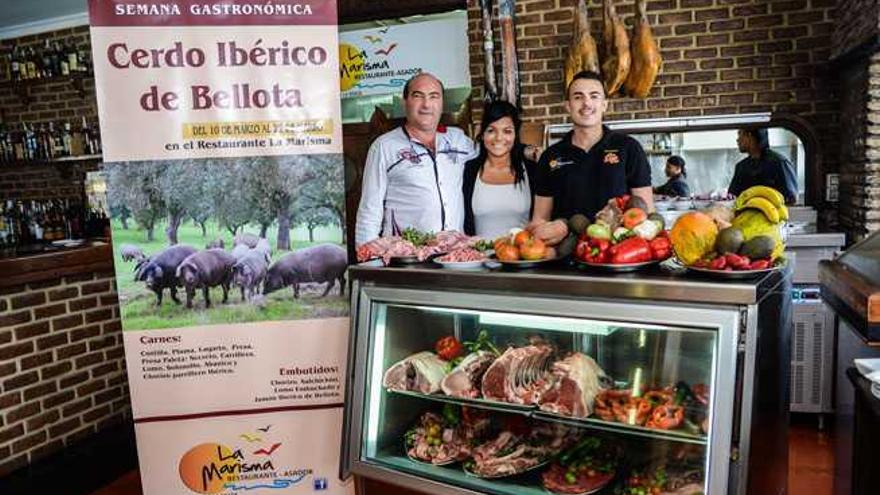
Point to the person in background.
(413, 174)
(675, 173)
(763, 166)
(497, 184)
(589, 166)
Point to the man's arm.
(647, 194)
(371, 209)
(789, 179)
(551, 233)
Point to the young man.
(589, 166)
(413, 174)
(763, 166)
(675, 185)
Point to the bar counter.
(93, 256)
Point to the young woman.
(497, 183)
(675, 186)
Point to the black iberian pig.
(216, 244)
(325, 263)
(249, 240)
(130, 252)
(203, 270)
(249, 272)
(160, 271)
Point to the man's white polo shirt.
(405, 185)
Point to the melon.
(693, 236)
(754, 223)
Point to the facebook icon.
(321, 484)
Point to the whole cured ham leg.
(646, 59)
(615, 68)
(582, 54)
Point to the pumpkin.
(693, 236)
(753, 223)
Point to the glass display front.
(518, 403)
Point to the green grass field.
(138, 304)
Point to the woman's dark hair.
(497, 110)
(678, 162)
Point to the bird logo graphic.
(265, 429)
(385, 29)
(372, 39)
(271, 449)
(251, 438)
(386, 51)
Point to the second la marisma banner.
(221, 129)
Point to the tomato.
(759, 264)
(448, 348)
(522, 237)
(532, 249)
(633, 217)
(507, 252)
(719, 263)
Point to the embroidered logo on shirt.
(408, 154)
(557, 163)
(611, 157)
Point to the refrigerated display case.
(692, 381)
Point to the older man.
(413, 173)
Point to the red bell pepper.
(661, 248)
(632, 250)
(622, 201)
(582, 250)
(602, 244)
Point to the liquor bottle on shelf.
(72, 56)
(48, 60)
(15, 64)
(33, 68)
(61, 63)
(67, 140)
(83, 60)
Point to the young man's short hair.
(588, 75)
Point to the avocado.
(658, 219)
(758, 247)
(578, 223)
(729, 240)
(636, 202)
(566, 247)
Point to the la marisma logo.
(214, 468)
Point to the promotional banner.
(221, 131)
(379, 61)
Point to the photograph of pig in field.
(200, 242)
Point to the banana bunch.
(767, 200)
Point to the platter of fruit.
(623, 238)
(521, 249)
(742, 241)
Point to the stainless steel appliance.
(645, 331)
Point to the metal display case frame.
(749, 402)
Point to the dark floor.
(810, 471)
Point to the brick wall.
(858, 21)
(27, 182)
(719, 57)
(62, 372)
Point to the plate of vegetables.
(623, 238)
(588, 467)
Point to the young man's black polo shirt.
(583, 181)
